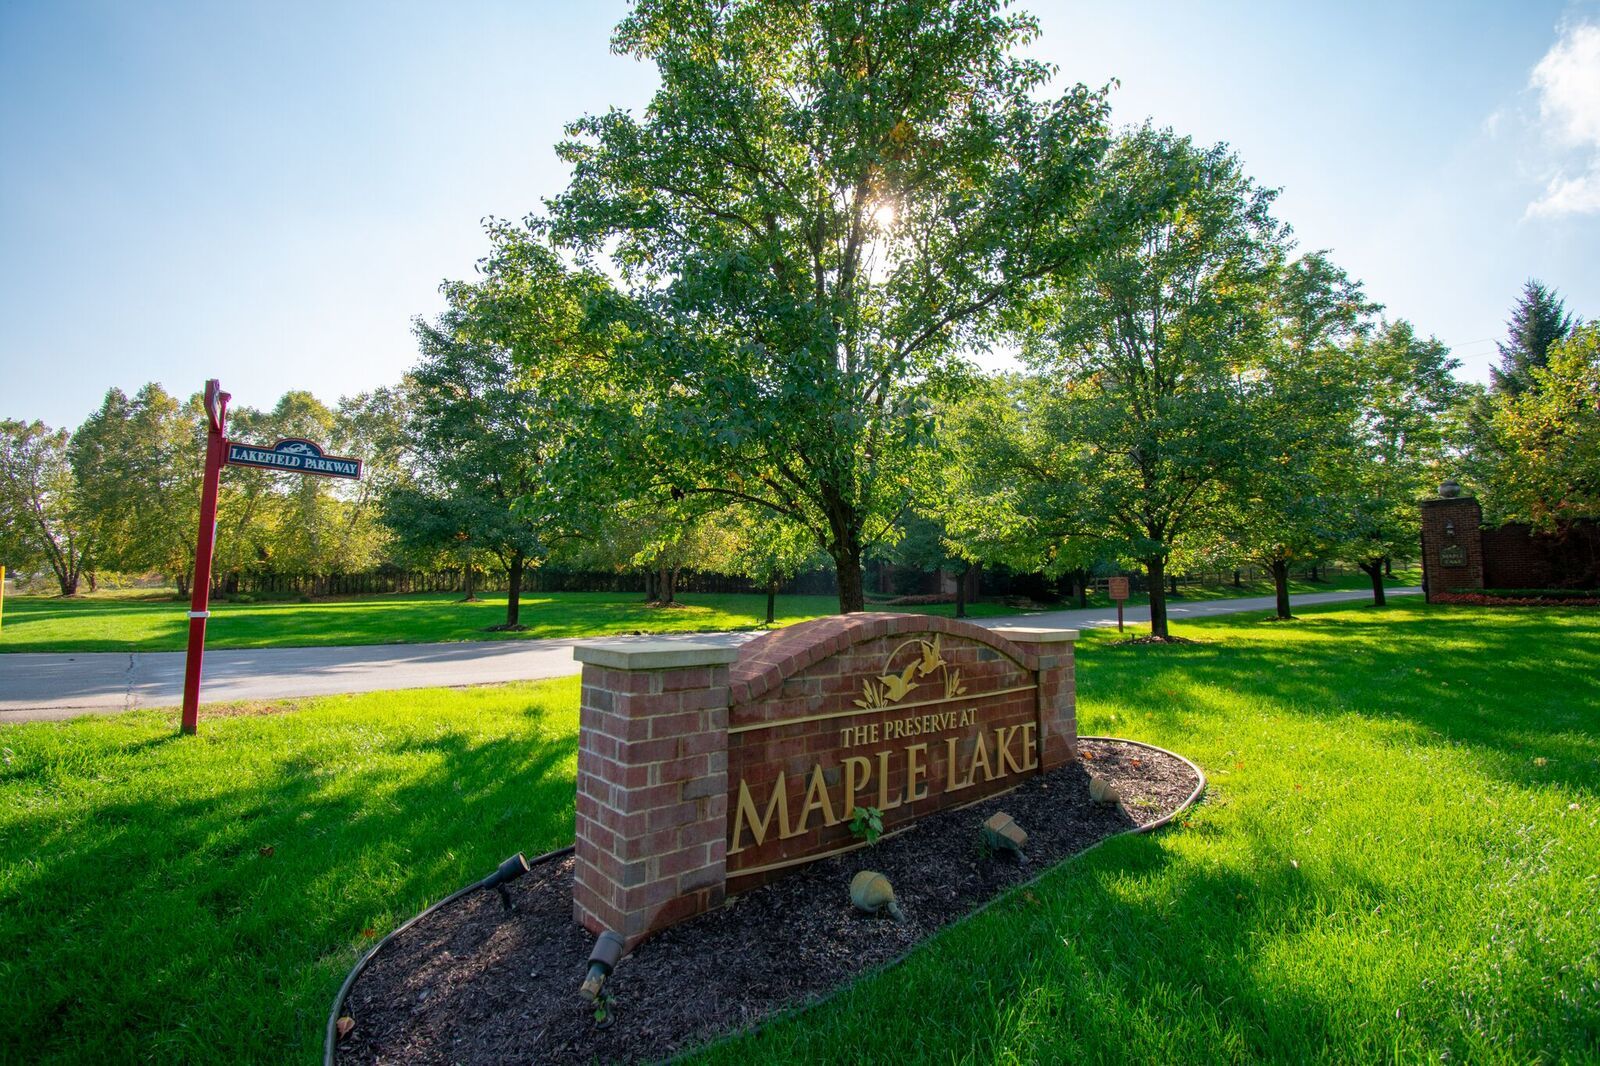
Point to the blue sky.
(268, 193)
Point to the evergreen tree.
(1539, 320)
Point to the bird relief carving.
(892, 687)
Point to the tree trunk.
(1172, 585)
(1156, 574)
(961, 593)
(672, 584)
(847, 565)
(772, 601)
(466, 580)
(1374, 570)
(68, 583)
(1236, 582)
(649, 586)
(514, 590)
(1316, 573)
(183, 586)
(663, 587)
(1388, 566)
(93, 584)
(1081, 580)
(1280, 585)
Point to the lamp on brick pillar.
(1052, 650)
(652, 799)
(1452, 542)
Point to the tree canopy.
(1135, 418)
(1548, 438)
(822, 204)
(1539, 320)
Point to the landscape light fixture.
(602, 960)
(503, 875)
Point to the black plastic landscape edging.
(331, 1038)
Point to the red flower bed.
(1480, 599)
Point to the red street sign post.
(1117, 589)
(291, 455)
(200, 595)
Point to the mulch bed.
(472, 983)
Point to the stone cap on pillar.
(1035, 635)
(652, 654)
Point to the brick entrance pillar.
(652, 784)
(1058, 693)
(1452, 543)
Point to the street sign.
(294, 455)
(1117, 589)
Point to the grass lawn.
(157, 622)
(1297, 587)
(1396, 860)
(143, 621)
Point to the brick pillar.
(1058, 691)
(1452, 545)
(652, 806)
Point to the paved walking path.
(45, 687)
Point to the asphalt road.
(46, 687)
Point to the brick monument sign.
(705, 771)
(1452, 547)
(1462, 555)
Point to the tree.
(39, 494)
(987, 488)
(1136, 419)
(138, 465)
(771, 551)
(1294, 505)
(1549, 435)
(503, 372)
(1406, 391)
(1539, 320)
(674, 538)
(475, 441)
(925, 544)
(822, 205)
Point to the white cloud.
(1570, 196)
(1567, 80)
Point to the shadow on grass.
(1069, 970)
(1515, 690)
(213, 922)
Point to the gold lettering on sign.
(980, 757)
(857, 771)
(883, 784)
(1002, 742)
(915, 699)
(816, 800)
(1014, 750)
(760, 823)
(916, 768)
(950, 775)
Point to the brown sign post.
(706, 771)
(1117, 589)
